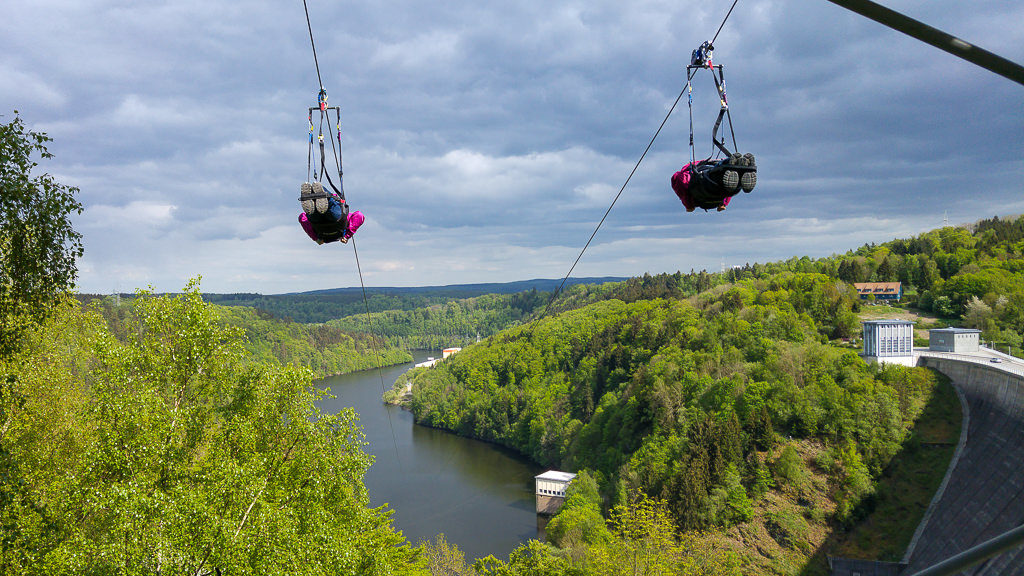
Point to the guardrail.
(1008, 364)
(976, 555)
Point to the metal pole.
(977, 554)
(935, 37)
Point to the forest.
(326, 350)
(712, 394)
(697, 403)
(322, 305)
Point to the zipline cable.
(313, 44)
(624, 184)
(722, 25)
(376, 352)
(616, 199)
(937, 38)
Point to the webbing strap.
(324, 172)
(722, 112)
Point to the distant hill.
(319, 306)
(469, 290)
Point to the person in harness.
(711, 184)
(325, 217)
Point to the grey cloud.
(488, 140)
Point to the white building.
(889, 341)
(954, 339)
(551, 487)
(430, 362)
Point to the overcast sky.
(485, 140)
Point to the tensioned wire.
(628, 178)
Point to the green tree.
(579, 522)
(790, 467)
(444, 559)
(929, 274)
(167, 452)
(38, 247)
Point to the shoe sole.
(730, 181)
(308, 205)
(748, 181)
(321, 203)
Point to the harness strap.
(324, 172)
(720, 85)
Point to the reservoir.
(480, 495)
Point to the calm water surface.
(479, 495)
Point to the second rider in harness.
(325, 217)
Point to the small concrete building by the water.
(954, 339)
(889, 341)
(551, 487)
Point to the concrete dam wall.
(983, 494)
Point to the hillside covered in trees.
(167, 448)
(714, 394)
(322, 305)
(969, 276)
(324, 349)
(687, 401)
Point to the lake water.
(481, 496)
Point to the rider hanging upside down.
(325, 217)
(710, 184)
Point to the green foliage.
(729, 502)
(326, 350)
(674, 397)
(167, 451)
(38, 247)
(322, 306)
(579, 522)
(323, 348)
(444, 559)
(452, 323)
(854, 483)
(945, 268)
(642, 539)
(789, 466)
(789, 529)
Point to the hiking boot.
(749, 158)
(748, 180)
(322, 205)
(306, 198)
(730, 181)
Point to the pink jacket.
(681, 186)
(355, 220)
